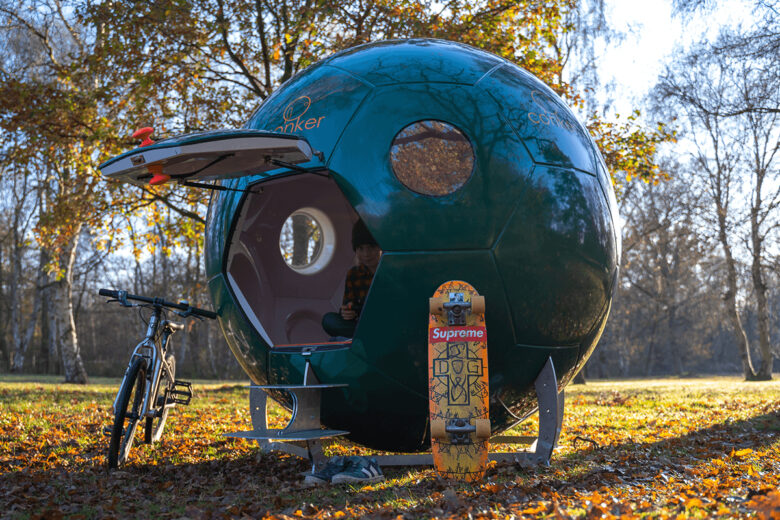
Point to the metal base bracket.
(551, 404)
(304, 437)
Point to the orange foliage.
(657, 452)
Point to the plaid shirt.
(356, 287)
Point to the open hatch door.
(203, 156)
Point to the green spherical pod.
(462, 166)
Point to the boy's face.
(368, 255)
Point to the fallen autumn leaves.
(665, 448)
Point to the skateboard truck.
(457, 308)
(456, 312)
(458, 430)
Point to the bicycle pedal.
(181, 393)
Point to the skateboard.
(458, 381)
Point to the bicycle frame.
(153, 348)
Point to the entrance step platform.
(286, 436)
(303, 436)
(298, 387)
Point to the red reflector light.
(144, 133)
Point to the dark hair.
(361, 236)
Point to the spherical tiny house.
(462, 166)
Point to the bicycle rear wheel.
(154, 426)
(128, 413)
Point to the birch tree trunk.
(5, 355)
(19, 348)
(183, 351)
(19, 224)
(37, 299)
(205, 327)
(703, 85)
(765, 144)
(730, 299)
(301, 234)
(759, 287)
(23, 339)
(62, 311)
(50, 335)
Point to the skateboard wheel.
(483, 426)
(477, 304)
(438, 428)
(435, 305)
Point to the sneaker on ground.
(323, 476)
(359, 469)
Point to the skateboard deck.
(458, 381)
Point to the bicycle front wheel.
(128, 413)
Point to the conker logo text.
(293, 117)
(548, 117)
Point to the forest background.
(695, 166)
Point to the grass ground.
(663, 448)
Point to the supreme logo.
(458, 334)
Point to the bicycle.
(149, 388)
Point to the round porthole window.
(307, 241)
(432, 158)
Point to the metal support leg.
(547, 394)
(258, 403)
(561, 402)
(550, 422)
(306, 405)
(258, 407)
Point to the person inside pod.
(340, 325)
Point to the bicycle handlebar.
(158, 301)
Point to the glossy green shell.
(534, 230)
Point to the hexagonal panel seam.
(513, 212)
(507, 303)
(350, 73)
(399, 82)
(562, 346)
(508, 124)
(562, 167)
(606, 195)
(519, 137)
(488, 74)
